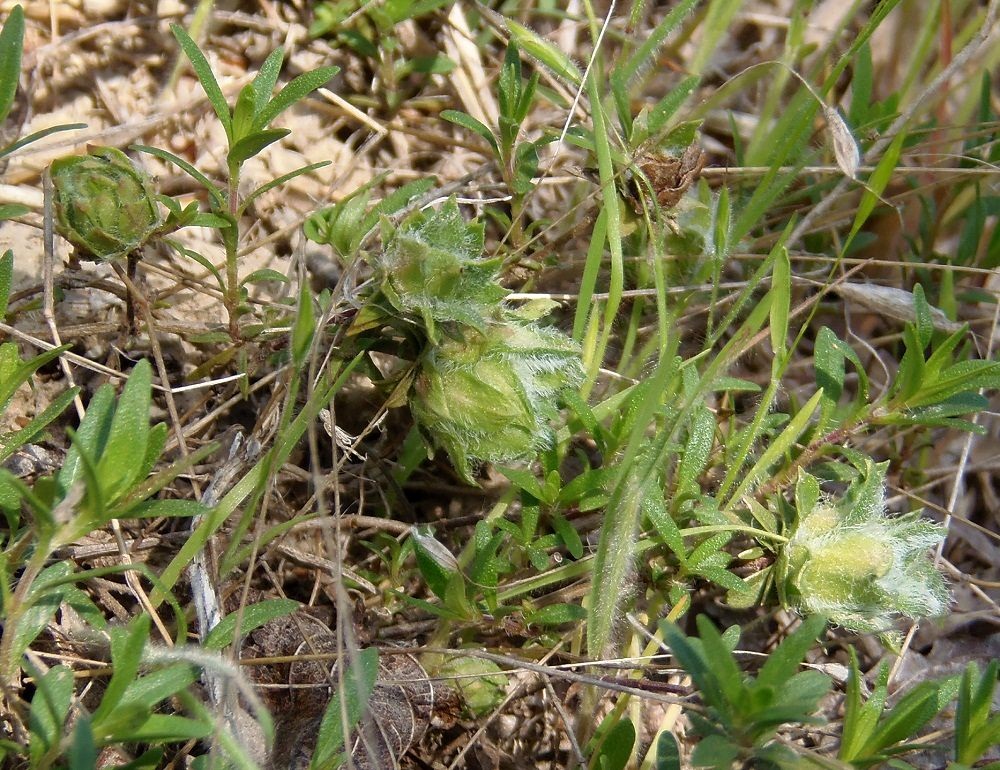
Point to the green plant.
(248, 131)
(372, 33)
(742, 713)
(874, 733)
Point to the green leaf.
(714, 751)
(12, 210)
(877, 183)
(11, 48)
(298, 89)
(436, 563)
(924, 321)
(49, 709)
(274, 183)
(304, 328)
(243, 114)
(90, 436)
(556, 615)
(782, 664)
(345, 709)
(266, 78)
(264, 275)
(701, 438)
(41, 134)
(169, 727)
(253, 616)
(544, 52)
(783, 443)
(9, 443)
(475, 126)
(83, 749)
(203, 70)
(154, 509)
(668, 753)
(691, 659)
(646, 52)
(781, 288)
(128, 437)
(182, 164)
(154, 688)
(42, 605)
(248, 146)
(616, 749)
(914, 710)
(127, 645)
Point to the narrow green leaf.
(645, 53)
(148, 691)
(129, 434)
(298, 89)
(13, 210)
(544, 52)
(556, 615)
(11, 48)
(918, 707)
(127, 645)
(83, 749)
(436, 563)
(243, 114)
(693, 661)
(253, 616)
(49, 709)
(248, 146)
(781, 444)
(203, 70)
(475, 126)
(781, 289)
(284, 178)
(154, 509)
(701, 439)
(782, 664)
(664, 110)
(6, 279)
(616, 749)
(169, 727)
(265, 275)
(877, 183)
(182, 164)
(267, 78)
(345, 708)
(724, 669)
(40, 134)
(304, 328)
(89, 438)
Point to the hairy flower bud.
(104, 204)
(858, 566)
(489, 397)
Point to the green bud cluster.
(103, 204)
(853, 563)
(488, 379)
